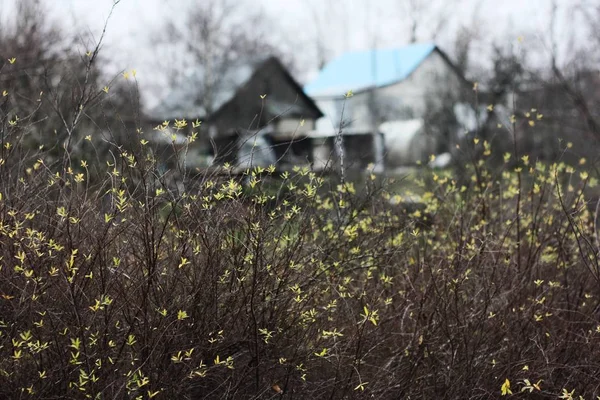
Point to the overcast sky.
(348, 24)
(133, 19)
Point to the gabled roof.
(361, 70)
(273, 106)
(183, 101)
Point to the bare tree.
(467, 36)
(29, 49)
(426, 18)
(576, 73)
(320, 23)
(55, 82)
(213, 41)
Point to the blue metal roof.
(363, 69)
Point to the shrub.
(131, 286)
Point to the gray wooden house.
(390, 104)
(259, 114)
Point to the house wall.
(423, 87)
(404, 100)
(294, 126)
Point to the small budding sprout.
(180, 124)
(505, 388)
(181, 315)
(323, 352)
(184, 261)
